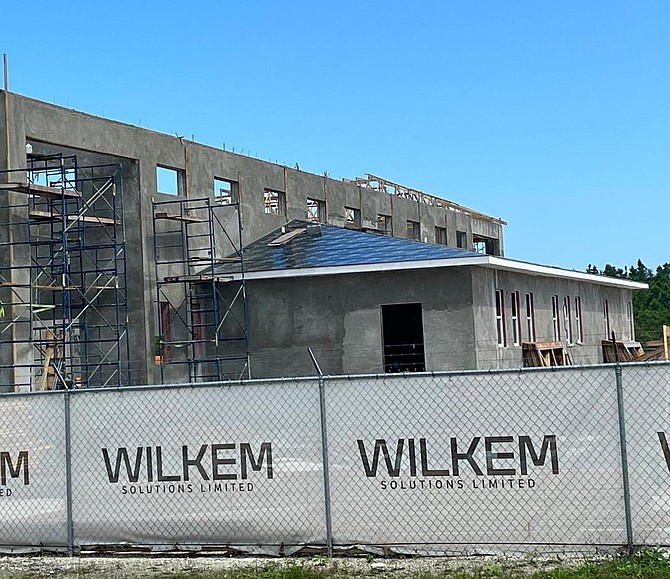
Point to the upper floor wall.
(269, 194)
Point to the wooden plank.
(41, 190)
(172, 217)
(286, 237)
(45, 215)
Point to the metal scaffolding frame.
(200, 291)
(63, 304)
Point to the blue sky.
(552, 115)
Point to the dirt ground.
(163, 567)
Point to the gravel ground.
(25, 567)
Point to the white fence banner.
(33, 495)
(223, 465)
(647, 411)
(523, 458)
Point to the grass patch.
(650, 564)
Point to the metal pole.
(68, 477)
(624, 458)
(324, 449)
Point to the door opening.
(402, 331)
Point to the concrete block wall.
(491, 355)
(57, 129)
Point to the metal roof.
(303, 249)
(320, 245)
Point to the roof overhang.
(488, 261)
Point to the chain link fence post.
(68, 476)
(624, 456)
(324, 448)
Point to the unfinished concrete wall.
(139, 151)
(588, 351)
(339, 317)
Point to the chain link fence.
(512, 460)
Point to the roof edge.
(482, 261)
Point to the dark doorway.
(402, 331)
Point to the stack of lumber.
(625, 351)
(544, 354)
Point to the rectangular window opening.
(274, 202)
(57, 177)
(413, 230)
(384, 224)
(631, 321)
(567, 321)
(516, 319)
(402, 332)
(462, 239)
(555, 319)
(316, 210)
(578, 320)
(352, 217)
(486, 245)
(226, 192)
(606, 319)
(501, 330)
(441, 235)
(169, 181)
(530, 317)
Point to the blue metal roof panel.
(336, 246)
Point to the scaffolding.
(201, 294)
(63, 298)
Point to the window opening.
(555, 319)
(486, 245)
(58, 177)
(316, 210)
(413, 230)
(384, 224)
(516, 320)
(606, 318)
(441, 235)
(274, 202)
(226, 192)
(567, 321)
(500, 319)
(402, 332)
(530, 317)
(168, 181)
(461, 239)
(578, 320)
(352, 216)
(631, 323)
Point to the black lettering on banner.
(216, 462)
(489, 441)
(425, 471)
(412, 456)
(469, 456)
(264, 453)
(548, 443)
(197, 462)
(122, 456)
(380, 444)
(14, 470)
(159, 468)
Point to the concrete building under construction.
(129, 257)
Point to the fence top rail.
(337, 377)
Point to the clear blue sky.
(554, 115)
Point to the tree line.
(651, 307)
